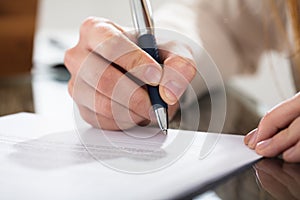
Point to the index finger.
(111, 42)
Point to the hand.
(281, 180)
(279, 132)
(108, 71)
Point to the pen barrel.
(148, 43)
(155, 98)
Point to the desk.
(17, 96)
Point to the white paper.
(41, 158)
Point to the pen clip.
(142, 16)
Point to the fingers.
(277, 144)
(108, 72)
(131, 103)
(286, 141)
(278, 132)
(100, 121)
(278, 118)
(89, 97)
(74, 58)
(179, 70)
(98, 83)
(292, 154)
(110, 42)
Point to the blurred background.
(34, 35)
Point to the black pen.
(143, 22)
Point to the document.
(42, 158)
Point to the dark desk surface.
(277, 180)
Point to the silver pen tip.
(162, 118)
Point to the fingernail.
(152, 75)
(173, 91)
(249, 136)
(263, 144)
(171, 99)
(252, 141)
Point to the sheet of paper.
(41, 158)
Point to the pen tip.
(165, 132)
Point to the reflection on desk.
(279, 179)
(267, 179)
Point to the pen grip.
(148, 43)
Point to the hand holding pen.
(106, 96)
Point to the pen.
(143, 22)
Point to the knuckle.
(87, 24)
(72, 59)
(94, 27)
(266, 119)
(139, 59)
(102, 34)
(105, 30)
(69, 57)
(295, 127)
(70, 87)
